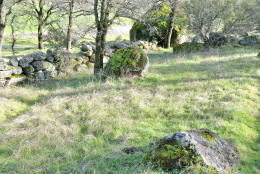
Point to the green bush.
(187, 47)
(155, 26)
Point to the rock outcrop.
(186, 148)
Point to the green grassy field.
(77, 125)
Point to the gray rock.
(86, 54)
(3, 65)
(109, 52)
(49, 74)
(14, 80)
(250, 40)
(2, 82)
(5, 74)
(28, 70)
(203, 144)
(48, 66)
(37, 65)
(43, 65)
(49, 52)
(39, 76)
(86, 48)
(62, 56)
(38, 56)
(25, 61)
(13, 61)
(50, 59)
(16, 70)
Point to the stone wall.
(39, 66)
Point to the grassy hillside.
(77, 125)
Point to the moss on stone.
(169, 157)
(17, 76)
(210, 137)
(126, 61)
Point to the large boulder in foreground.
(128, 62)
(184, 149)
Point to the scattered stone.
(5, 74)
(128, 62)
(16, 70)
(13, 61)
(25, 61)
(186, 148)
(16, 79)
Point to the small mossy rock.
(187, 47)
(258, 55)
(128, 62)
(187, 148)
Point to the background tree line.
(59, 18)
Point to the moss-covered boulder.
(186, 149)
(155, 26)
(187, 47)
(128, 62)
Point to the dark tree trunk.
(13, 34)
(2, 28)
(69, 32)
(2, 25)
(170, 27)
(40, 36)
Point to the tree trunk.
(40, 36)
(170, 27)
(69, 33)
(2, 28)
(100, 50)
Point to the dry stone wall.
(38, 66)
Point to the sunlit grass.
(77, 125)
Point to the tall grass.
(77, 125)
